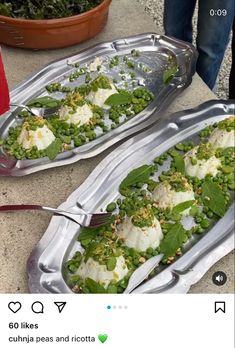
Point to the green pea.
(136, 261)
(122, 213)
(111, 263)
(156, 160)
(119, 290)
(150, 250)
(225, 187)
(111, 207)
(139, 184)
(154, 253)
(227, 169)
(199, 229)
(210, 214)
(193, 161)
(173, 153)
(180, 147)
(205, 223)
(66, 139)
(189, 233)
(176, 217)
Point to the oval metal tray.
(156, 51)
(45, 265)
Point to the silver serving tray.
(156, 51)
(45, 265)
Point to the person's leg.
(232, 73)
(213, 36)
(178, 18)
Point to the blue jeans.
(213, 31)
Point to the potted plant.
(51, 23)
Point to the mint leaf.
(121, 98)
(111, 263)
(138, 175)
(169, 74)
(173, 240)
(112, 289)
(178, 163)
(89, 233)
(90, 250)
(214, 198)
(179, 208)
(46, 101)
(94, 287)
(53, 149)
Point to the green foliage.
(53, 149)
(214, 198)
(111, 263)
(94, 287)
(121, 98)
(138, 175)
(47, 102)
(47, 9)
(173, 240)
(169, 74)
(179, 208)
(178, 163)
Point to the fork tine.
(50, 111)
(99, 219)
(95, 221)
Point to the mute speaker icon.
(219, 278)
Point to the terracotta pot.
(53, 33)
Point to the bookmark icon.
(220, 306)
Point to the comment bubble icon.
(37, 307)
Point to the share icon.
(60, 305)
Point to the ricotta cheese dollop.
(222, 138)
(95, 64)
(166, 197)
(140, 238)
(101, 95)
(42, 137)
(99, 273)
(81, 116)
(200, 167)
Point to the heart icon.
(103, 338)
(14, 306)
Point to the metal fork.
(91, 219)
(45, 112)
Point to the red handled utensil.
(4, 90)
